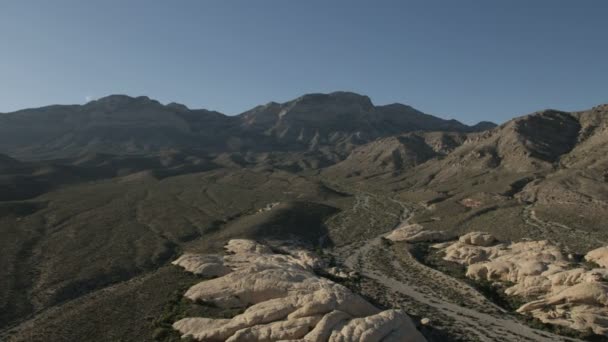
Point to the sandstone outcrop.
(416, 233)
(478, 239)
(565, 292)
(582, 306)
(598, 256)
(284, 299)
(207, 265)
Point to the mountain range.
(96, 200)
(120, 124)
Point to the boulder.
(243, 246)
(566, 293)
(191, 325)
(478, 239)
(389, 325)
(339, 273)
(598, 256)
(416, 233)
(323, 330)
(285, 300)
(582, 306)
(204, 265)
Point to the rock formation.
(416, 233)
(208, 265)
(598, 256)
(478, 239)
(285, 300)
(566, 293)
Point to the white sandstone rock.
(276, 331)
(598, 256)
(416, 233)
(326, 326)
(240, 246)
(285, 300)
(478, 239)
(567, 295)
(582, 306)
(205, 265)
(389, 325)
(190, 326)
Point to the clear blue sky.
(469, 60)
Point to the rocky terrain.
(284, 300)
(343, 220)
(120, 124)
(562, 290)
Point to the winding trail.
(405, 280)
(552, 229)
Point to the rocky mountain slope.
(341, 120)
(397, 153)
(120, 124)
(532, 143)
(549, 158)
(115, 124)
(97, 201)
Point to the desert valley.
(326, 217)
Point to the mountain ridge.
(121, 124)
(94, 232)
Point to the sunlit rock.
(285, 300)
(565, 292)
(598, 256)
(478, 239)
(416, 233)
(204, 265)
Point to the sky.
(471, 60)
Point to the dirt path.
(546, 229)
(404, 282)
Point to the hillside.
(396, 154)
(340, 120)
(115, 124)
(88, 236)
(120, 124)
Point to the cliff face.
(340, 119)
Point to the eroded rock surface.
(598, 256)
(207, 265)
(478, 239)
(285, 300)
(565, 292)
(416, 233)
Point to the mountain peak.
(397, 105)
(118, 100)
(483, 126)
(337, 97)
(177, 106)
